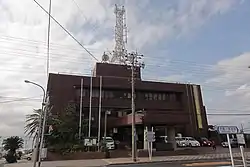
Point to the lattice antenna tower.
(120, 36)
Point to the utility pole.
(133, 62)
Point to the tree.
(12, 144)
(65, 129)
(32, 123)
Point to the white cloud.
(233, 78)
(26, 59)
(176, 20)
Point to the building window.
(127, 95)
(150, 96)
(108, 95)
(95, 93)
(160, 96)
(155, 96)
(172, 97)
(167, 97)
(178, 97)
(84, 92)
(163, 96)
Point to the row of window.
(162, 96)
(108, 94)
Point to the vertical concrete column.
(145, 143)
(171, 136)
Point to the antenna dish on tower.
(105, 57)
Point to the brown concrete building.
(177, 107)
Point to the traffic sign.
(149, 136)
(227, 129)
(240, 138)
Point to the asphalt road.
(210, 163)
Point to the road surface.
(208, 163)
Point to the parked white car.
(110, 143)
(191, 142)
(181, 142)
(27, 156)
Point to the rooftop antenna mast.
(120, 36)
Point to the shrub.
(10, 158)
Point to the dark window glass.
(178, 98)
(125, 95)
(85, 92)
(160, 96)
(155, 96)
(172, 97)
(163, 96)
(129, 95)
(167, 97)
(110, 94)
(95, 93)
(150, 96)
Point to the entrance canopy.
(154, 117)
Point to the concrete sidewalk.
(70, 163)
(113, 161)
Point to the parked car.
(110, 143)
(204, 141)
(233, 142)
(181, 142)
(27, 156)
(191, 142)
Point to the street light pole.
(45, 110)
(40, 123)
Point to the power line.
(240, 68)
(186, 62)
(77, 61)
(82, 13)
(203, 86)
(193, 72)
(36, 43)
(8, 50)
(12, 97)
(79, 10)
(66, 31)
(17, 100)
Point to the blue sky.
(223, 36)
(204, 42)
